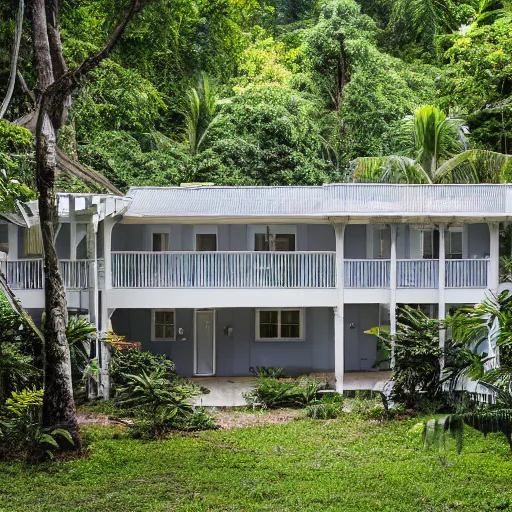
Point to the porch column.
(441, 286)
(493, 279)
(108, 224)
(392, 294)
(339, 325)
(72, 228)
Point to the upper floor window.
(274, 242)
(280, 324)
(33, 241)
(160, 242)
(453, 242)
(381, 242)
(206, 242)
(163, 325)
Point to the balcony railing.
(250, 270)
(467, 273)
(367, 273)
(28, 274)
(223, 270)
(417, 273)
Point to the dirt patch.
(101, 419)
(229, 419)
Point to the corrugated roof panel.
(339, 199)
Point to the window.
(160, 242)
(279, 324)
(381, 242)
(275, 238)
(206, 242)
(33, 241)
(163, 326)
(454, 243)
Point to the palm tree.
(202, 111)
(432, 148)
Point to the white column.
(442, 285)
(108, 224)
(392, 294)
(72, 229)
(12, 241)
(494, 257)
(339, 324)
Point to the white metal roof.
(359, 200)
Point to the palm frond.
(387, 169)
(475, 166)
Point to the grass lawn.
(348, 464)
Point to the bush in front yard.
(273, 393)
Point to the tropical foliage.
(280, 92)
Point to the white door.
(204, 342)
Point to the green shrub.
(162, 404)
(273, 393)
(329, 407)
(269, 372)
(21, 432)
(132, 361)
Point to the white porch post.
(339, 325)
(392, 294)
(494, 257)
(441, 285)
(108, 224)
(72, 229)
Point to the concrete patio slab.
(228, 391)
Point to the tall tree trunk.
(14, 59)
(55, 85)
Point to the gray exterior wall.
(478, 240)
(237, 354)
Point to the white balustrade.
(25, 274)
(75, 274)
(367, 273)
(28, 274)
(417, 273)
(467, 273)
(223, 270)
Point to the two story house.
(225, 279)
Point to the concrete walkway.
(228, 391)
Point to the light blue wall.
(355, 242)
(478, 240)
(233, 237)
(237, 354)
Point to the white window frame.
(161, 234)
(275, 229)
(451, 230)
(157, 229)
(302, 323)
(165, 310)
(204, 229)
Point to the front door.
(204, 356)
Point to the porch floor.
(228, 391)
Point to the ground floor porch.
(229, 391)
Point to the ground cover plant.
(332, 465)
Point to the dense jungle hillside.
(263, 92)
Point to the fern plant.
(163, 400)
(21, 430)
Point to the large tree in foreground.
(55, 83)
(430, 147)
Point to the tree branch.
(70, 80)
(14, 60)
